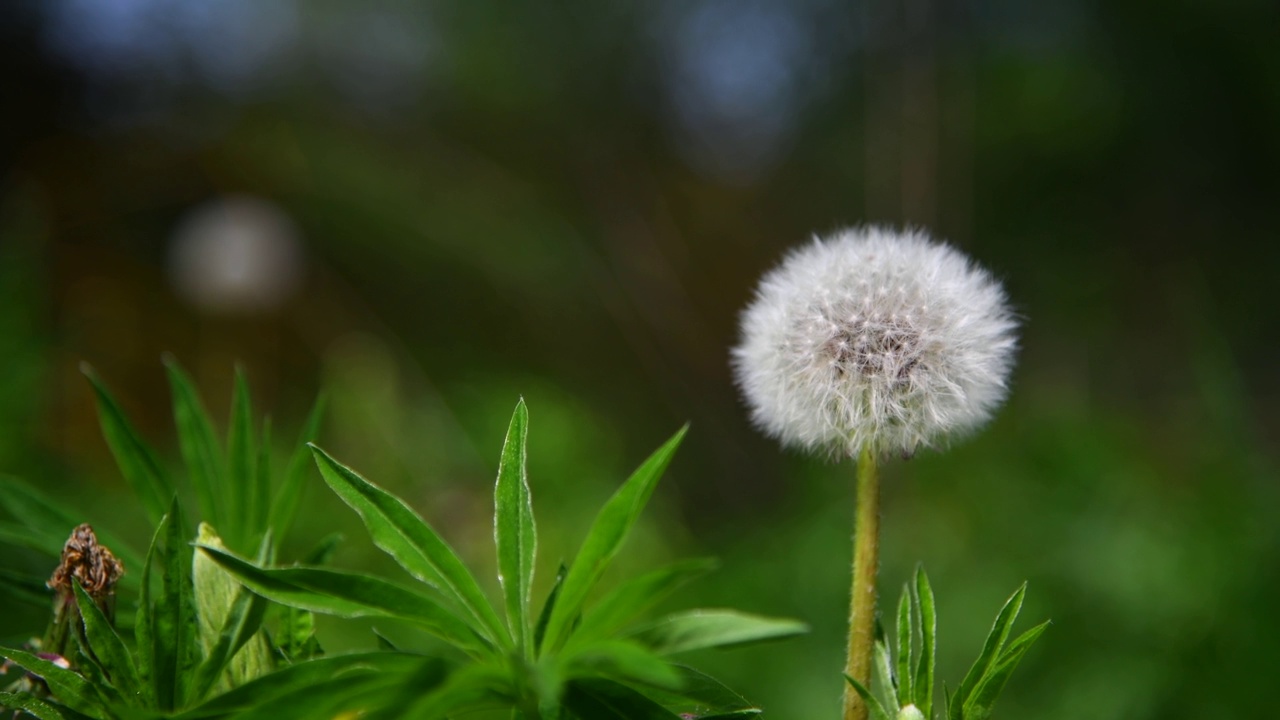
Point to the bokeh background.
(429, 209)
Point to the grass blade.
(698, 629)
(199, 445)
(135, 458)
(928, 644)
(406, 537)
(990, 651)
(242, 492)
(607, 533)
(983, 700)
(348, 595)
(285, 506)
(514, 531)
(903, 675)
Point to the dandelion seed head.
(874, 338)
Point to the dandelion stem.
(862, 604)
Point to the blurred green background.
(430, 209)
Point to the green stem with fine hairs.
(862, 603)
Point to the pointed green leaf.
(200, 448)
(622, 660)
(983, 699)
(285, 505)
(882, 669)
(877, 710)
(109, 650)
(262, 485)
(601, 699)
(135, 458)
(471, 687)
(37, 708)
(67, 686)
(302, 676)
(514, 530)
(632, 598)
(144, 622)
(405, 536)
(928, 645)
(174, 628)
(241, 485)
(701, 696)
(903, 675)
(990, 651)
(540, 628)
(698, 629)
(349, 595)
(607, 533)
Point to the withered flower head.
(92, 564)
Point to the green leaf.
(600, 699)
(109, 650)
(199, 444)
(903, 675)
(262, 485)
(68, 686)
(20, 587)
(622, 660)
(983, 699)
(698, 629)
(540, 629)
(348, 595)
(230, 617)
(135, 458)
(990, 652)
(701, 696)
(473, 686)
(877, 710)
(514, 530)
(144, 622)
(406, 537)
(607, 533)
(174, 630)
(303, 676)
(43, 524)
(285, 505)
(928, 644)
(882, 668)
(632, 598)
(37, 708)
(242, 491)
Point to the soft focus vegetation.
(449, 205)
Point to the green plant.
(567, 660)
(905, 672)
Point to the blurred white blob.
(237, 254)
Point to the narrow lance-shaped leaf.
(876, 709)
(174, 627)
(622, 660)
(405, 536)
(983, 700)
(904, 675)
(242, 492)
(515, 534)
(601, 699)
(700, 696)
(109, 650)
(990, 651)
(928, 644)
(540, 628)
(199, 444)
(698, 629)
(239, 624)
(285, 505)
(607, 533)
(262, 485)
(36, 707)
(144, 626)
(630, 599)
(136, 460)
(349, 595)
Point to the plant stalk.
(862, 603)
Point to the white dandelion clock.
(875, 339)
(866, 343)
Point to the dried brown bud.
(92, 564)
